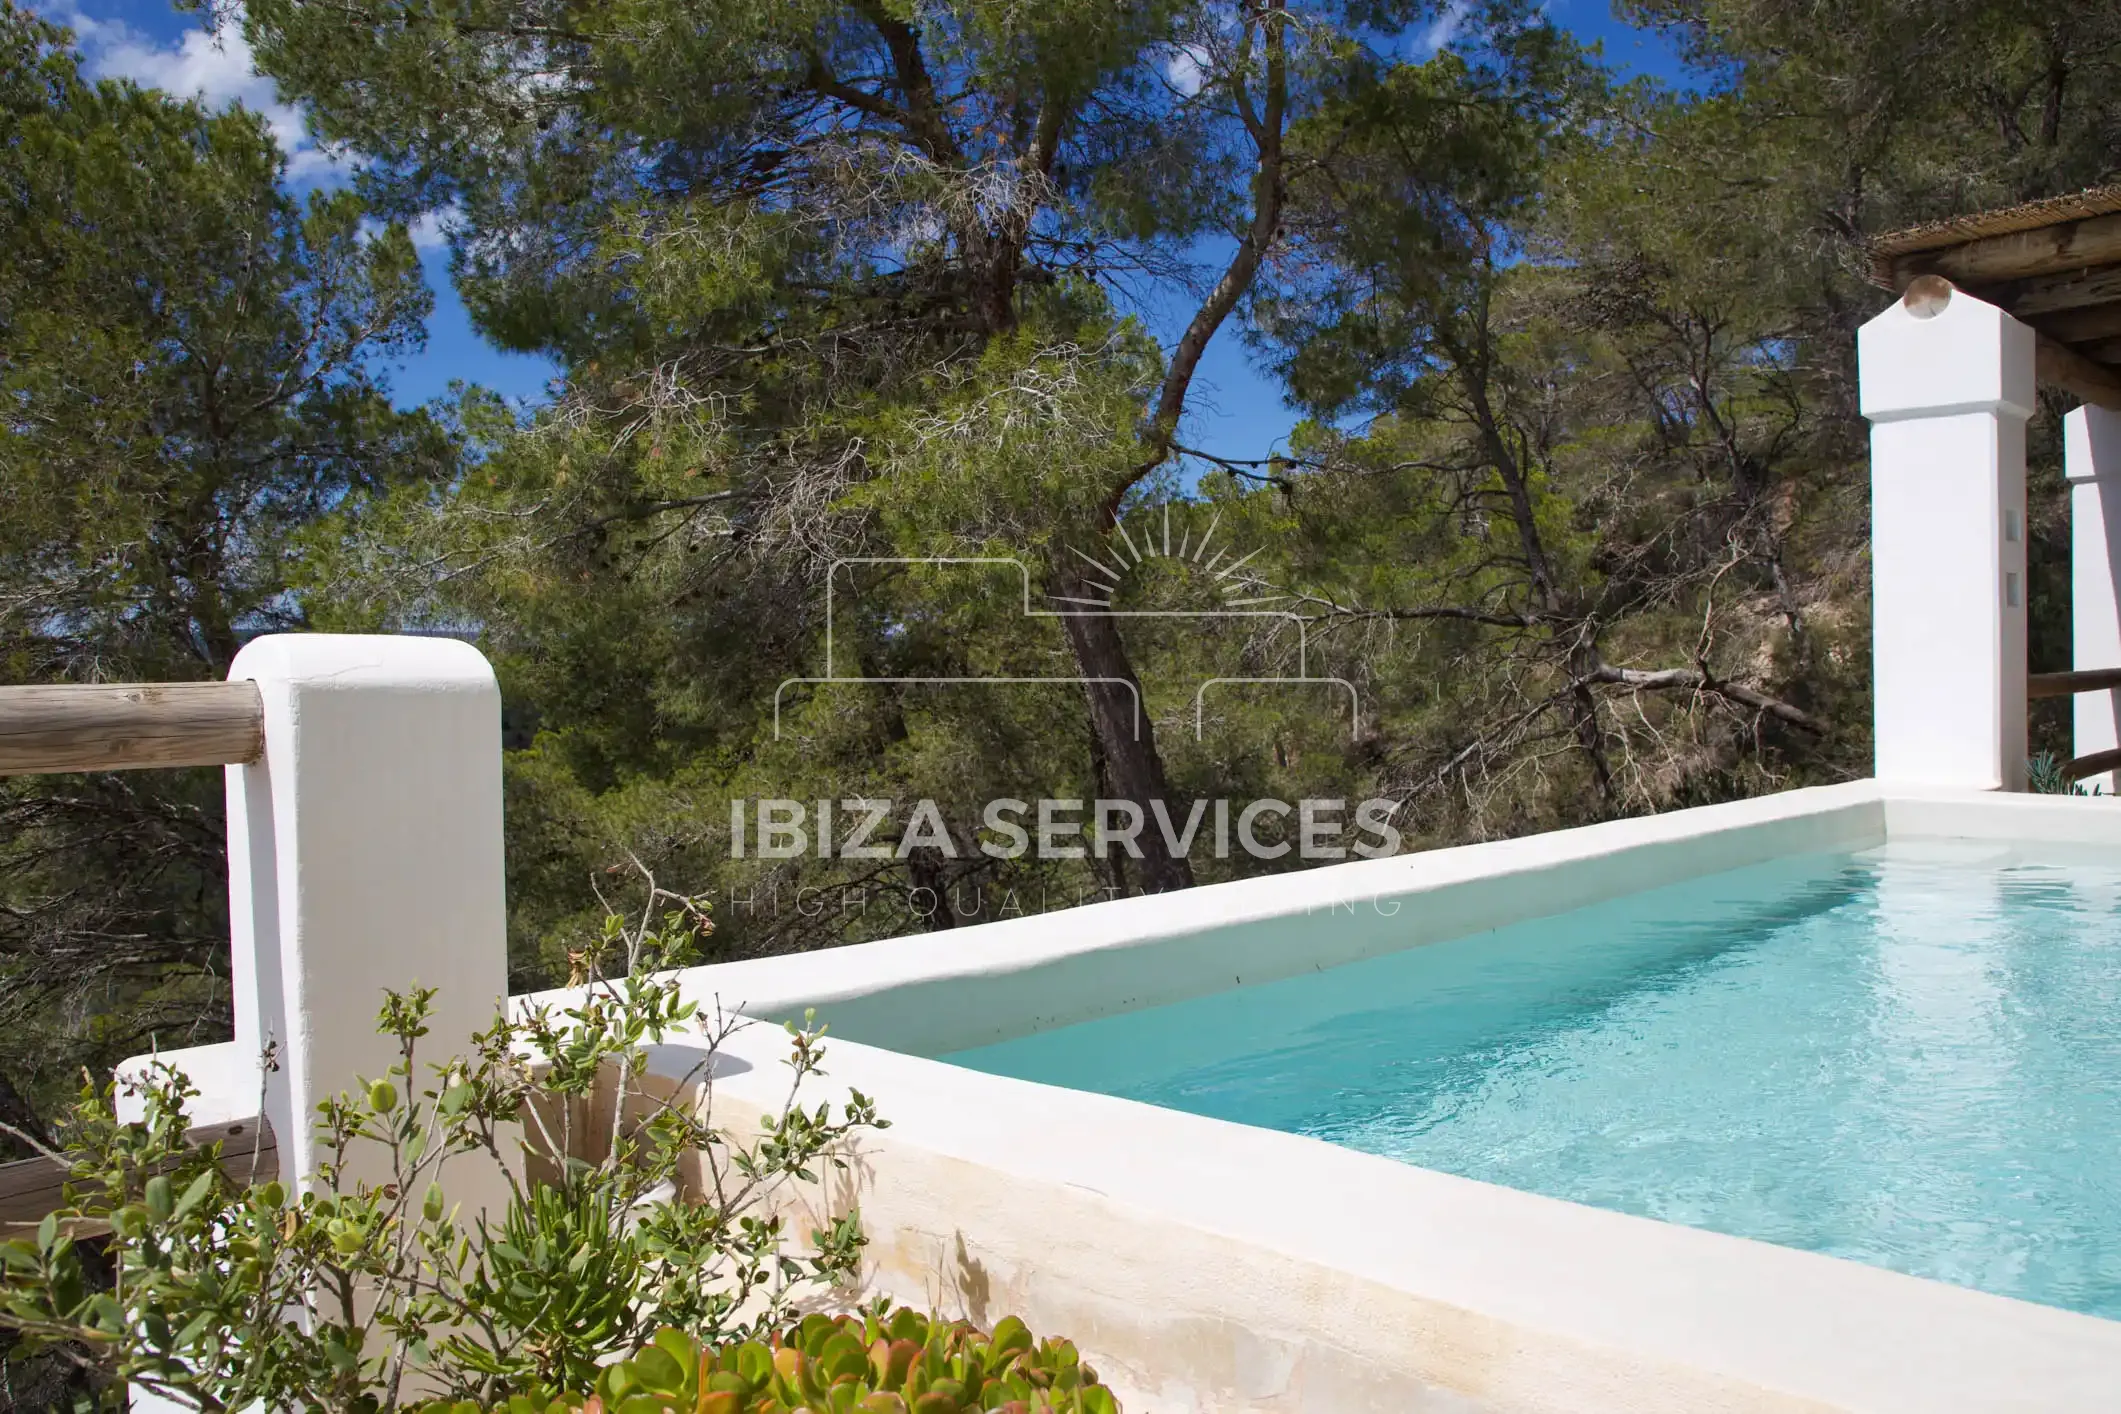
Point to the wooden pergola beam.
(2077, 326)
(2046, 294)
(2063, 367)
(2067, 247)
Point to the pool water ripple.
(1909, 1057)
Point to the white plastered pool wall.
(1214, 1266)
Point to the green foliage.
(2046, 774)
(1581, 516)
(594, 1250)
(188, 353)
(198, 345)
(1923, 110)
(794, 359)
(883, 1361)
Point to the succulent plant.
(881, 1362)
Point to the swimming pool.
(1908, 1056)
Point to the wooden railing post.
(364, 854)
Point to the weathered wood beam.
(2078, 326)
(32, 1188)
(2069, 684)
(2103, 351)
(2050, 250)
(129, 726)
(2045, 294)
(2091, 765)
(2063, 367)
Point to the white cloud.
(1187, 69)
(1444, 28)
(430, 230)
(216, 68)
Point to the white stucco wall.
(2091, 460)
(364, 855)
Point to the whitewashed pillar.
(1947, 383)
(364, 853)
(2091, 440)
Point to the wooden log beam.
(2068, 684)
(32, 1188)
(129, 726)
(2091, 765)
(2063, 367)
(2050, 250)
(2080, 326)
(2102, 351)
(2046, 294)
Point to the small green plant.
(884, 1361)
(369, 1292)
(2047, 774)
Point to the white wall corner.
(365, 853)
(2091, 445)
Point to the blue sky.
(157, 45)
(1237, 412)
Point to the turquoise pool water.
(1909, 1057)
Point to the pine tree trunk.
(1120, 717)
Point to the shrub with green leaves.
(369, 1291)
(884, 1361)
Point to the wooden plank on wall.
(32, 1188)
(2038, 685)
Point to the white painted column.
(364, 854)
(1947, 383)
(2091, 439)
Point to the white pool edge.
(1214, 1266)
(935, 993)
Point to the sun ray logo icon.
(1238, 588)
(1243, 592)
